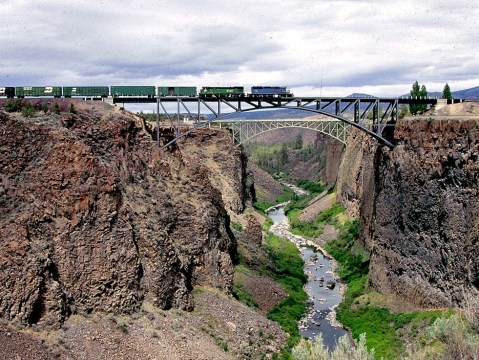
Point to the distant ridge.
(361, 96)
(468, 94)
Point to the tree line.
(420, 92)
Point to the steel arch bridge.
(369, 114)
(244, 130)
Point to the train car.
(270, 91)
(38, 91)
(221, 92)
(86, 91)
(7, 91)
(177, 91)
(133, 91)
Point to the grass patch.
(267, 224)
(299, 202)
(262, 206)
(304, 228)
(311, 186)
(312, 229)
(237, 226)
(330, 216)
(243, 296)
(289, 272)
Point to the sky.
(314, 47)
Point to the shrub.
(237, 226)
(461, 341)
(307, 350)
(13, 105)
(72, 109)
(28, 110)
(44, 107)
(56, 109)
(471, 310)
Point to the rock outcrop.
(419, 209)
(95, 217)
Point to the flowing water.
(321, 317)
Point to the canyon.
(101, 229)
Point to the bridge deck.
(279, 100)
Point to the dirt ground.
(218, 328)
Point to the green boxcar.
(7, 91)
(86, 91)
(177, 91)
(126, 91)
(37, 91)
(231, 91)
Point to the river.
(321, 317)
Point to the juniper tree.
(446, 93)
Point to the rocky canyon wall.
(95, 217)
(419, 209)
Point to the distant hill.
(361, 96)
(470, 94)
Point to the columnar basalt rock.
(94, 217)
(419, 209)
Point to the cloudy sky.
(315, 47)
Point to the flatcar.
(221, 92)
(133, 91)
(177, 91)
(86, 91)
(38, 91)
(270, 91)
(7, 91)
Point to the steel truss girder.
(243, 131)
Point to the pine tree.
(414, 108)
(446, 93)
(423, 95)
(418, 92)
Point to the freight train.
(99, 92)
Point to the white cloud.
(378, 47)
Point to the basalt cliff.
(419, 209)
(95, 217)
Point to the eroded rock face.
(94, 217)
(419, 209)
